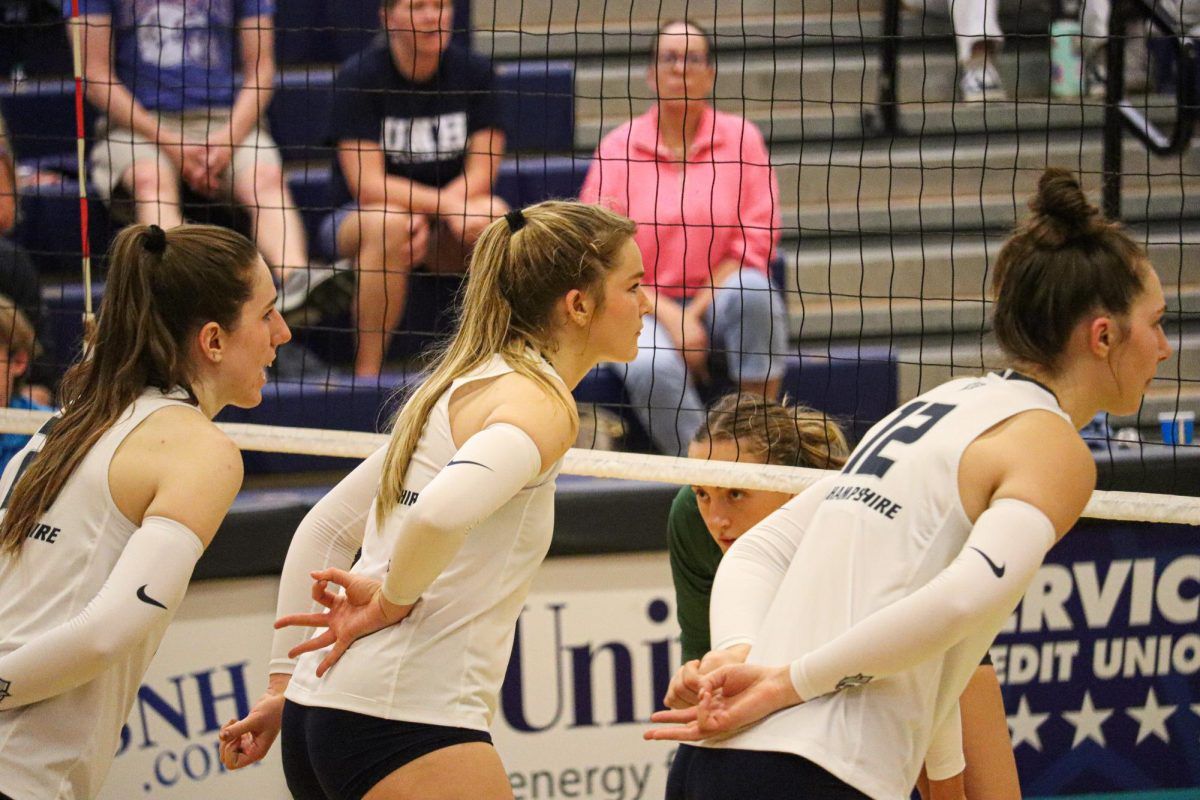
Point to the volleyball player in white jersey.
(109, 506)
(869, 600)
(453, 518)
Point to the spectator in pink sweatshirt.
(698, 182)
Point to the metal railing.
(1121, 115)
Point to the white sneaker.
(299, 283)
(980, 81)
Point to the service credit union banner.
(1099, 666)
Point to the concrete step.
(1154, 197)
(923, 366)
(828, 174)
(817, 318)
(751, 83)
(952, 267)
(621, 36)
(810, 121)
(643, 14)
(581, 30)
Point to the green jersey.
(694, 560)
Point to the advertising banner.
(1099, 668)
(1099, 664)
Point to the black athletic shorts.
(702, 773)
(329, 754)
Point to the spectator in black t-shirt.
(418, 148)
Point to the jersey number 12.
(868, 457)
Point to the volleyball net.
(898, 146)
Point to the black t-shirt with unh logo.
(423, 128)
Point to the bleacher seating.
(321, 32)
(548, 157)
(40, 114)
(849, 384)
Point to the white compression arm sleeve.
(750, 573)
(945, 757)
(329, 536)
(143, 591)
(485, 473)
(979, 588)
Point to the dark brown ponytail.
(162, 287)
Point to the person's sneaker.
(328, 300)
(980, 81)
(299, 283)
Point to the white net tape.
(1125, 506)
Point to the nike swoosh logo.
(476, 463)
(145, 598)
(998, 571)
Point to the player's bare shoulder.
(549, 416)
(1037, 456)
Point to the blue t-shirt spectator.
(176, 55)
(11, 443)
(423, 128)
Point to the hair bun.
(1060, 201)
(155, 240)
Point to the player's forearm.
(486, 472)
(328, 536)
(974, 593)
(143, 591)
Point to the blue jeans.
(746, 320)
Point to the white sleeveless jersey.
(63, 746)
(890, 523)
(444, 664)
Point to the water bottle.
(1066, 58)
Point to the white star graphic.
(1024, 725)
(1152, 718)
(1088, 722)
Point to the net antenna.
(85, 249)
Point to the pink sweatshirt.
(723, 204)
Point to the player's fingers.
(324, 640)
(676, 715)
(320, 593)
(234, 729)
(318, 620)
(331, 658)
(683, 733)
(334, 575)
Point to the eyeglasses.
(692, 60)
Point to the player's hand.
(684, 690)
(359, 610)
(246, 741)
(731, 697)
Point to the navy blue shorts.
(329, 754)
(702, 773)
